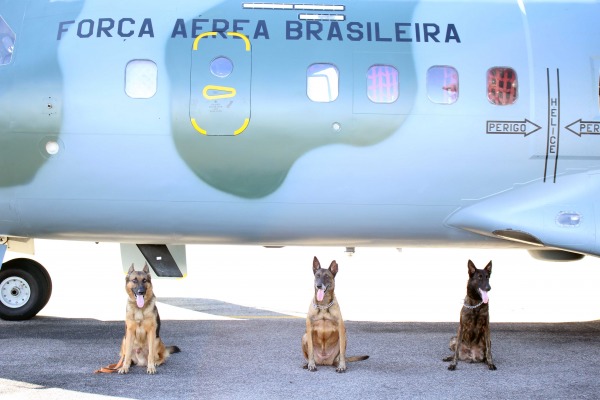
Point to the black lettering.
(105, 29)
(179, 29)
(86, 23)
(313, 28)
(196, 27)
(293, 30)
(355, 29)
(452, 34)
(261, 29)
(431, 33)
(369, 35)
(400, 32)
(120, 30)
(62, 28)
(378, 37)
(335, 32)
(237, 23)
(146, 28)
(417, 32)
(221, 29)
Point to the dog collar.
(320, 307)
(472, 307)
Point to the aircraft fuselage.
(360, 123)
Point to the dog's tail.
(356, 358)
(173, 349)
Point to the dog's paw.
(151, 370)
(449, 358)
(341, 369)
(492, 367)
(123, 370)
(451, 367)
(311, 367)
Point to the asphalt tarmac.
(238, 319)
(260, 358)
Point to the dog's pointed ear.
(146, 269)
(472, 268)
(333, 267)
(131, 269)
(488, 268)
(316, 265)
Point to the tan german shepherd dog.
(141, 344)
(324, 342)
(473, 341)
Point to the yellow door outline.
(227, 92)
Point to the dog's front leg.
(151, 337)
(342, 342)
(127, 348)
(488, 350)
(310, 354)
(459, 338)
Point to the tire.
(25, 288)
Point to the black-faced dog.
(324, 342)
(473, 342)
(141, 344)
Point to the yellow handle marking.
(236, 34)
(229, 92)
(235, 133)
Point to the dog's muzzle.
(321, 289)
(139, 296)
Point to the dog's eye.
(135, 280)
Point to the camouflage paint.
(30, 88)
(254, 163)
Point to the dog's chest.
(325, 323)
(138, 316)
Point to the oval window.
(221, 67)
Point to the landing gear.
(25, 288)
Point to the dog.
(473, 340)
(324, 342)
(141, 344)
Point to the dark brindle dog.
(324, 342)
(473, 342)
(141, 344)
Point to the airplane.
(332, 123)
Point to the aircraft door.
(221, 70)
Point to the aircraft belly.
(241, 223)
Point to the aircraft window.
(502, 86)
(322, 81)
(382, 85)
(442, 84)
(140, 79)
(7, 42)
(221, 67)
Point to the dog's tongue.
(139, 299)
(320, 294)
(484, 296)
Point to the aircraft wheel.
(25, 288)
